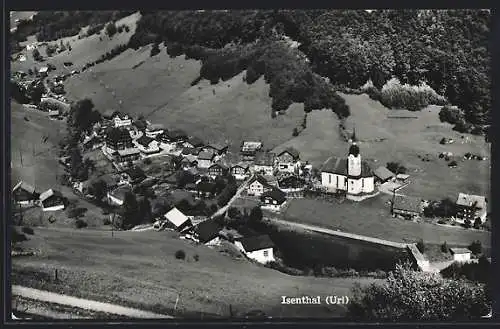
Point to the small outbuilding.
(460, 254)
(382, 174)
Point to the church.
(351, 174)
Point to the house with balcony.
(264, 163)
(154, 130)
(147, 145)
(258, 185)
(288, 160)
(469, 206)
(117, 139)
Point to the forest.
(339, 50)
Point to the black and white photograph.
(256, 164)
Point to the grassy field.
(139, 269)
(372, 218)
(83, 51)
(385, 139)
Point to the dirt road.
(51, 297)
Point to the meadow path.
(51, 297)
(236, 196)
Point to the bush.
(450, 115)
(396, 168)
(80, 223)
(155, 50)
(444, 247)
(196, 257)
(476, 247)
(421, 246)
(477, 223)
(111, 29)
(147, 161)
(295, 132)
(180, 254)
(28, 230)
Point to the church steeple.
(354, 161)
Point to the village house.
(189, 161)
(117, 196)
(258, 248)
(288, 160)
(470, 207)
(127, 155)
(191, 151)
(407, 207)
(121, 120)
(350, 174)
(207, 232)
(154, 130)
(206, 189)
(176, 220)
(382, 174)
(258, 185)
(240, 171)
(230, 235)
(92, 143)
(135, 133)
(193, 142)
(264, 163)
(217, 169)
(217, 148)
(117, 139)
(461, 255)
(147, 145)
(249, 149)
(273, 199)
(133, 175)
(167, 143)
(402, 178)
(205, 159)
(43, 71)
(24, 194)
(52, 200)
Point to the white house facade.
(259, 248)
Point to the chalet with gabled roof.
(25, 194)
(258, 185)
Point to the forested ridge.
(446, 49)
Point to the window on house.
(266, 253)
(362, 183)
(337, 177)
(329, 179)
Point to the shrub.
(295, 132)
(444, 247)
(155, 50)
(180, 254)
(147, 161)
(421, 246)
(477, 223)
(127, 29)
(450, 115)
(28, 230)
(80, 223)
(196, 257)
(396, 168)
(467, 223)
(476, 247)
(111, 29)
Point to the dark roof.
(260, 179)
(144, 140)
(195, 141)
(109, 180)
(135, 173)
(108, 114)
(141, 125)
(407, 203)
(190, 150)
(339, 166)
(26, 187)
(243, 165)
(354, 150)
(207, 230)
(206, 155)
(218, 146)
(206, 187)
(218, 164)
(254, 243)
(292, 151)
(118, 134)
(264, 158)
(460, 251)
(275, 194)
(383, 173)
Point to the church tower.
(354, 161)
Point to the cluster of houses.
(25, 196)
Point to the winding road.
(86, 304)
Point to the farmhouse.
(166, 142)
(402, 178)
(264, 163)
(471, 207)
(117, 196)
(177, 220)
(205, 159)
(230, 235)
(126, 155)
(240, 171)
(460, 254)
(117, 139)
(43, 71)
(217, 169)
(207, 232)
(189, 161)
(121, 120)
(258, 185)
(408, 207)
(206, 189)
(217, 148)
(193, 142)
(52, 200)
(191, 151)
(288, 160)
(24, 194)
(249, 148)
(350, 174)
(273, 199)
(133, 175)
(154, 130)
(258, 248)
(382, 174)
(147, 145)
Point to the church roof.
(339, 166)
(354, 149)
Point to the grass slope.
(386, 139)
(139, 269)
